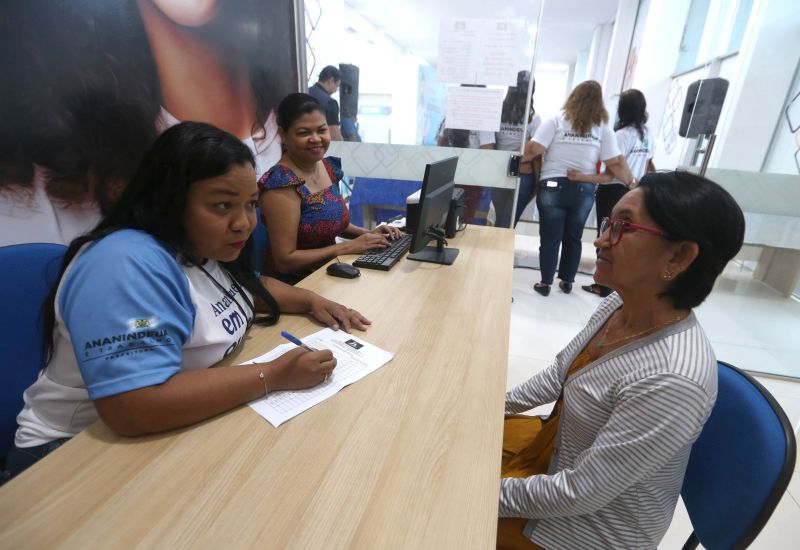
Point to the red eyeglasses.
(617, 228)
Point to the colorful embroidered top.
(323, 214)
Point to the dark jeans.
(608, 196)
(20, 459)
(563, 209)
(503, 200)
(527, 189)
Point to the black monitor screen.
(434, 204)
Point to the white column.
(767, 62)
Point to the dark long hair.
(693, 208)
(155, 200)
(632, 111)
(80, 93)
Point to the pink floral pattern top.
(323, 214)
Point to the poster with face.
(87, 85)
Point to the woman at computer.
(633, 388)
(158, 292)
(637, 146)
(576, 139)
(300, 200)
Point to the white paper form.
(481, 51)
(355, 359)
(474, 108)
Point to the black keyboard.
(385, 258)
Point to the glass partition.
(419, 75)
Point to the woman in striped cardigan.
(632, 389)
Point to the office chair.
(260, 239)
(740, 465)
(27, 272)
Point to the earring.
(667, 275)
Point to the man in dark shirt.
(328, 83)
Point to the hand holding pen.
(296, 341)
(306, 366)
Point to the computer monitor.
(434, 204)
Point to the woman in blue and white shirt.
(159, 291)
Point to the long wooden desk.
(408, 457)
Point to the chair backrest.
(260, 242)
(740, 465)
(27, 272)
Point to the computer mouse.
(341, 269)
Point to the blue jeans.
(527, 188)
(20, 459)
(563, 210)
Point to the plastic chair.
(740, 465)
(27, 272)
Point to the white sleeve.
(625, 142)
(486, 138)
(533, 125)
(608, 143)
(545, 132)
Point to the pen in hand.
(296, 341)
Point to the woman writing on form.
(300, 200)
(632, 389)
(160, 290)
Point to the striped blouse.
(628, 424)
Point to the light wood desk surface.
(408, 457)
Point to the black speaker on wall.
(704, 100)
(348, 90)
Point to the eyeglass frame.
(607, 224)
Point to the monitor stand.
(436, 254)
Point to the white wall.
(658, 56)
(768, 59)
(344, 36)
(618, 54)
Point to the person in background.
(160, 290)
(466, 139)
(300, 200)
(510, 138)
(636, 144)
(327, 85)
(633, 389)
(575, 139)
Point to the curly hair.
(584, 107)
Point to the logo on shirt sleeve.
(143, 336)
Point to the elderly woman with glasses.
(633, 389)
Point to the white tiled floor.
(749, 325)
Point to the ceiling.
(566, 28)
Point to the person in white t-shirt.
(159, 291)
(467, 139)
(510, 138)
(576, 139)
(637, 146)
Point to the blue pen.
(295, 340)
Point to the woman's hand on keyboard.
(393, 233)
(367, 241)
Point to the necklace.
(313, 177)
(601, 343)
